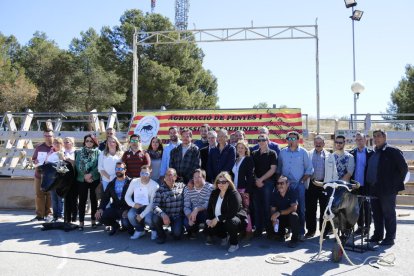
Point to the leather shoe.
(113, 230)
(309, 235)
(387, 242)
(375, 239)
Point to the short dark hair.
(120, 163)
(293, 133)
(340, 137)
(135, 135)
(379, 130)
(201, 172)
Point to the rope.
(278, 259)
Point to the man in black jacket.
(118, 210)
(361, 156)
(385, 176)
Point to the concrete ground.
(25, 250)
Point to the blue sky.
(277, 72)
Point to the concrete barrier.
(17, 193)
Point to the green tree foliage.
(261, 105)
(51, 70)
(169, 75)
(16, 91)
(402, 98)
(94, 85)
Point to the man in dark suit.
(118, 209)
(385, 176)
(361, 156)
(212, 143)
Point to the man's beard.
(119, 174)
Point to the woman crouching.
(225, 215)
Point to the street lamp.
(359, 88)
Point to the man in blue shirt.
(294, 162)
(361, 156)
(203, 141)
(174, 142)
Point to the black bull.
(345, 207)
(53, 180)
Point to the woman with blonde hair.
(225, 215)
(108, 159)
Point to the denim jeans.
(261, 198)
(300, 192)
(201, 218)
(139, 226)
(176, 226)
(57, 205)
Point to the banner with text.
(279, 121)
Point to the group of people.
(220, 184)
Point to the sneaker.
(154, 235)
(37, 218)
(49, 219)
(137, 235)
(209, 240)
(224, 241)
(233, 248)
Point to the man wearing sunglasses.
(296, 165)
(284, 204)
(272, 145)
(135, 157)
(43, 200)
(345, 163)
(118, 209)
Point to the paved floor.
(25, 250)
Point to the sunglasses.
(67, 142)
(88, 141)
(119, 169)
(48, 136)
(261, 140)
(291, 138)
(134, 141)
(222, 182)
(340, 143)
(144, 174)
(280, 183)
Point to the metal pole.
(135, 74)
(354, 73)
(317, 79)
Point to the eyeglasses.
(134, 141)
(222, 182)
(280, 183)
(119, 169)
(144, 174)
(339, 143)
(291, 138)
(261, 140)
(88, 141)
(67, 142)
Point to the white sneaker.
(137, 235)
(154, 235)
(49, 218)
(233, 248)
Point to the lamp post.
(356, 87)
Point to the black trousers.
(83, 189)
(289, 221)
(312, 195)
(365, 216)
(111, 215)
(232, 227)
(71, 203)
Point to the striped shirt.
(196, 198)
(134, 162)
(169, 201)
